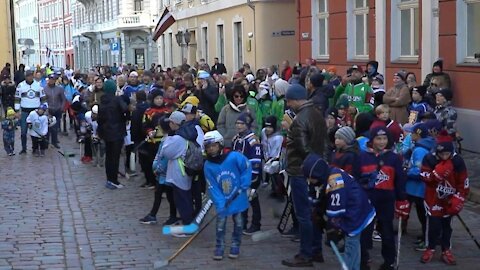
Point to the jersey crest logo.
(31, 93)
(381, 177)
(444, 190)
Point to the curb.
(474, 195)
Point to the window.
(205, 43)
(238, 44)
(468, 32)
(320, 29)
(170, 39)
(138, 5)
(405, 34)
(220, 43)
(357, 29)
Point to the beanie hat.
(399, 74)
(202, 74)
(189, 109)
(363, 122)
(433, 126)
(446, 93)
(378, 131)
(280, 87)
(444, 142)
(270, 121)
(438, 63)
(250, 78)
(331, 111)
(317, 79)
(177, 117)
(332, 69)
(133, 74)
(192, 100)
(155, 93)
(342, 102)
(345, 133)
(109, 87)
(379, 78)
(315, 167)
(420, 129)
(421, 90)
(296, 92)
(10, 112)
(246, 118)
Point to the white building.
(27, 27)
(101, 26)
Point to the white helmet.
(213, 137)
(95, 109)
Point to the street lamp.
(181, 37)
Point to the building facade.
(27, 28)
(400, 34)
(261, 33)
(114, 31)
(6, 54)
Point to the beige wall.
(5, 34)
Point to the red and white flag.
(163, 24)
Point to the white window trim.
(316, 39)
(395, 33)
(351, 30)
(205, 54)
(237, 19)
(462, 57)
(217, 35)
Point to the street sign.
(29, 42)
(115, 48)
(28, 51)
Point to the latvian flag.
(163, 24)
(49, 51)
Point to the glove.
(334, 235)
(255, 182)
(402, 209)
(29, 125)
(456, 204)
(443, 170)
(251, 194)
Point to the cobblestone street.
(57, 214)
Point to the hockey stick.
(339, 257)
(399, 237)
(468, 231)
(192, 227)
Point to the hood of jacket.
(427, 143)
(238, 108)
(9, 84)
(188, 131)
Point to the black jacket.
(111, 118)
(8, 94)
(218, 69)
(307, 134)
(320, 96)
(208, 97)
(19, 76)
(136, 127)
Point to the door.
(140, 58)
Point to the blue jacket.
(159, 166)
(226, 177)
(348, 206)
(415, 185)
(131, 89)
(70, 91)
(418, 109)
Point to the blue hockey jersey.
(226, 178)
(249, 145)
(348, 205)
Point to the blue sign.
(115, 46)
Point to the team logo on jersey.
(31, 93)
(444, 190)
(381, 178)
(467, 183)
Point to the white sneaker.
(117, 185)
(376, 237)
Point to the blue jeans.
(236, 234)
(23, 128)
(52, 135)
(310, 236)
(352, 251)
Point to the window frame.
(318, 15)
(395, 39)
(220, 33)
(462, 35)
(352, 13)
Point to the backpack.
(193, 158)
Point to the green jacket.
(264, 110)
(278, 109)
(360, 96)
(221, 102)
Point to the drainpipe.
(252, 6)
(14, 39)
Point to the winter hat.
(444, 142)
(421, 90)
(317, 79)
(109, 87)
(345, 133)
(43, 106)
(296, 92)
(250, 78)
(331, 111)
(379, 78)
(10, 112)
(408, 127)
(189, 109)
(270, 121)
(315, 167)
(332, 69)
(363, 121)
(155, 93)
(342, 102)
(420, 129)
(192, 100)
(246, 118)
(203, 74)
(433, 126)
(280, 87)
(177, 117)
(446, 93)
(438, 63)
(133, 74)
(399, 74)
(95, 109)
(378, 131)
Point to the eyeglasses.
(434, 84)
(238, 96)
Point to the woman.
(398, 97)
(70, 91)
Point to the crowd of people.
(357, 155)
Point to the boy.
(445, 175)
(272, 142)
(418, 107)
(248, 144)
(383, 119)
(348, 207)
(343, 116)
(383, 178)
(8, 125)
(37, 122)
(444, 111)
(345, 156)
(378, 90)
(227, 175)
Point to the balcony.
(86, 2)
(138, 21)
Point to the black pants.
(112, 159)
(38, 143)
(439, 230)
(183, 202)
(197, 189)
(421, 212)
(146, 157)
(256, 213)
(88, 146)
(159, 190)
(128, 152)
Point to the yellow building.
(6, 54)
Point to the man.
(19, 74)
(359, 93)
(218, 68)
(133, 85)
(286, 71)
(207, 94)
(68, 72)
(185, 65)
(28, 97)
(305, 135)
(319, 94)
(5, 71)
(40, 78)
(56, 102)
(147, 81)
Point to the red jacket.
(287, 73)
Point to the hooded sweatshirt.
(174, 149)
(415, 185)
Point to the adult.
(7, 93)
(185, 67)
(112, 130)
(218, 68)
(19, 74)
(306, 134)
(207, 94)
(68, 72)
(372, 70)
(411, 80)
(286, 70)
(443, 79)
(70, 92)
(147, 80)
(360, 94)
(28, 97)
(97, 92)
(398, 97)
(5, 71)
(56, 102)
(133, 85)
(318, 93)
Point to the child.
(378, 90)
(264, 104)
(272, 144)
(415, 187)
(8, 126)
(345, 156)
(383, 178)
(343, 116)
(97, 145)
(363, 121)
(444, 111)
(348, 207)
(445, 175)
(383, 119)
(418, 107)
(37, 122)
(227, 175)
(248, 144)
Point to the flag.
(163, 24)
(49, 52)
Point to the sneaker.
(117, 185)
(421, 246)
(144, 185)
(318, 257)
(234, 252)
(376, 236)
(290, 233)
(251, 230)
(56, 145)
(180, 235)
(171, 221)
(110, 185)
(149, 219)
(419, 240)
(22, 152)
(427, 255)
(298, 261)
(385, 266)
(149, 186)
(218, 254)
(264, 184)
(448, 258)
